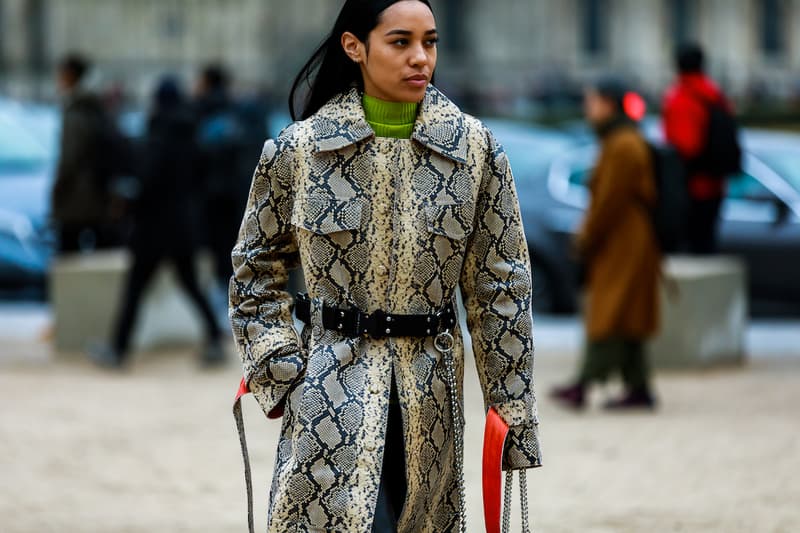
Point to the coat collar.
(439, 125)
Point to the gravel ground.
(155, 449)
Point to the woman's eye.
(432, 42)
(401, 42)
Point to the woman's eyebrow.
(407, 32)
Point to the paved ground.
(156, 451)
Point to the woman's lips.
(417, 81)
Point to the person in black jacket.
(81, 196)
(165, 218)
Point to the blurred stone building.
(499, 50)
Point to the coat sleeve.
(496, 287)
(260, 306)
(614, 186)
(75, 156)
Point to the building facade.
(504, 48)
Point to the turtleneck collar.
(390, 119)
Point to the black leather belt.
(378, 324)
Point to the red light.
(634, 106)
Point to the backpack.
(114, 159)
(722, 154)
(669, 215)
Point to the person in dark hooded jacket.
(165, 216)
(226, 173)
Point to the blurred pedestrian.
(81, 196)
(618, 247)
(222, 138)
(698, 122)
(389, 198)
(165, 219)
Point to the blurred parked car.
(760, 215)
(28, 138)
(531, 151)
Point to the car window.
(530, 149)
(19, 151)
(786, 163)
(526, 164)
(580, 176)
(743, 186)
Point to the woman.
(389, 198)
(618, 246)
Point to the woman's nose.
(418, 56)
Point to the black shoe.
(213, 354)
(105, 356)
(632, 400)
(571, 396)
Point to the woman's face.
(399, 57)
(597, 108)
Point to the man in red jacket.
(686, 120)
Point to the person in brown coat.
(618, 247)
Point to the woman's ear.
(353, 47)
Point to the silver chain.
(443, 343)
(523, 489)
(507, 501)
(507, 493)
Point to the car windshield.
(786, 163)
(19, 150)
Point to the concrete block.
(706, 323)
(86, 292)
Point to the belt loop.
(447, 317)
(317, 327)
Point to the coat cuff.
(522, 449)
(273, 379)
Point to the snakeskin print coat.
(390, 224)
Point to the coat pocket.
(323, 214)
(453, 220)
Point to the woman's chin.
(407, 93)
(415, 93)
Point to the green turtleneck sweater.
(390, 119)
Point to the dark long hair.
(330, 71)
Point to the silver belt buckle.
(444, 341)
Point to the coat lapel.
(440, 126)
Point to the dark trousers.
(224, 218)
(627, 356)
(145, 264)
(393, 488)
(703, 222)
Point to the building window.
(454, 26)
(772, 36)
(35, 22)
(681, 21)
(2, 32)
(594, 35)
